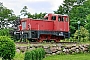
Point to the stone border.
(57, 49)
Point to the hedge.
(37, 54)
(7, 48)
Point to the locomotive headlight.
(15, 32)
(22, 32)
(61, 34)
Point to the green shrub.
(28, 55)
(7, 47)
(37, 54)
(43, 52)
(33, 55)
(4, 32)
(40, 54)
(89, 48)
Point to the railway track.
(46, 42)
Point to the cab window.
(66, 19)
(46, 18)
(23, 25)
(62, 18)
(59, 18)
(53, 18)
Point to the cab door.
(63, 23)
(66, 23)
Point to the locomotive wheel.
(57, 40)
(40, 40)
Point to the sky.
(34, 6)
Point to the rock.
(40, 46)
(85, 49)
(64, 50)
(62, 46)
(73, 49)
(53, 49)
(69, 46)
(17, 47)
(74, 45)
(48, 51)
(32, 48)
(54, 45)
(77, 47)
(45, 47)
(59, 45)
(86, 46)
(17, 50)
(23, 48)
(59, 48)
(58, 52)
(47, 55)
(77, 51)
(53, 53)
(36, 46)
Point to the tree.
(65, 7)
(87, 25)
(76, 11)
(6, 15)
(37, 16)
(7, 48)
(79, 13)
(24, 11)
(82, 35)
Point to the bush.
(33, 55)
(7, 47)
(89, 48)
(4, 32)
(43, 52)
(28, 55)
(37, 54)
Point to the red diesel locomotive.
(52, 27)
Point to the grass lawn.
(0, 58)
(69, 57)
(20, 56)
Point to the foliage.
(65, 7)
(89, 48)
(37, 54)
(19, 56)
(82, 34)
(37, 16)
(77, 11)
(28, 55)
(7, 48)
(4, 32)
(6, 15)
(24, 12)
(87, 25)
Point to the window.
(23, 25)
(62, 18)
(59, 18)
(46, 18)
(53, 18)
(66, 19)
